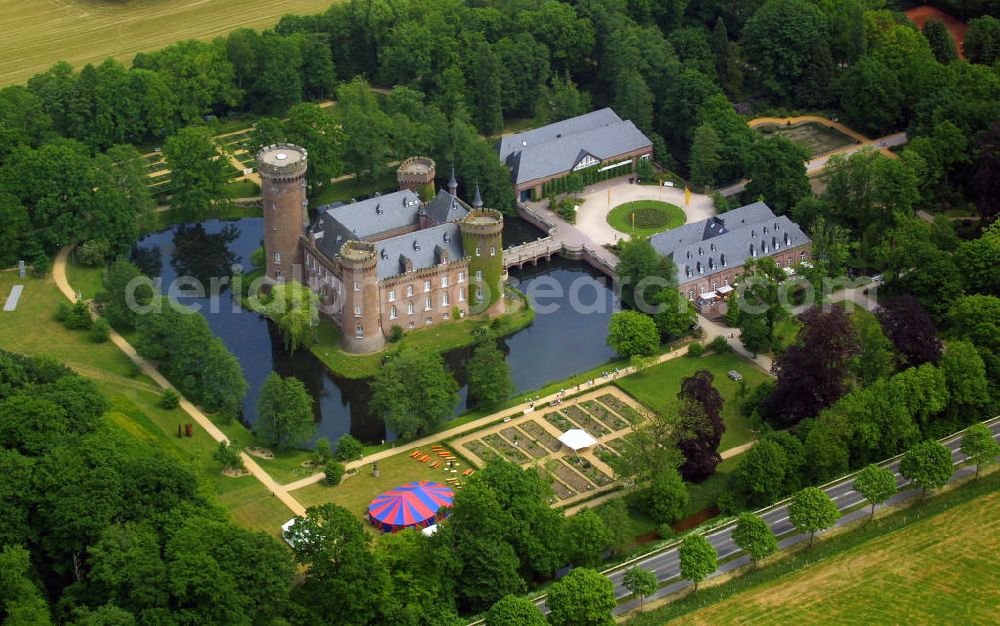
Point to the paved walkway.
(601, 198)
(570, 236)
(59, 276)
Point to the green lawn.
(31, 329)
(657, 387)
(786, 330)
(242, 189)
(439, 338)
(649, 216)
(930, 563)
(357, 491)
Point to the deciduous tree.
(698, 559)
(811, 510)
(911, 330)
(488, 375)
(587, 537)
(876, 484)
(284, 412)
(198, 173)
(514, 611)
(777, 171)
(754, 536)
(413, 392)
(641, 582)
(631, 334)
(927, 464)
(581, 598)
(980, 446)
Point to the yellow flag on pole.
(687, 195)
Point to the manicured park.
(657, 387)
(645, 217)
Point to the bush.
(720, 345)
(77, 317)
(62, 312)
(396, 333)
(170, 399)
(348, 448)
(334, 473)
(665, 531)
(229, 455)
(695, 350)
(322, 452)
(100, 331)
(94, 252)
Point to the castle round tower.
(360, 316)
(417, 174)
(482, 231)
(282, 170)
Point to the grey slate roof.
(558, 147)
(725, 240)
(422, 248)
(359, 220)
(444, 208)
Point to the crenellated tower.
(282, 170)
(417, 174)
(360, 316)
(482, 231)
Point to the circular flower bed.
(645, 217)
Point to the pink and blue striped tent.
(413, 505)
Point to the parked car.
(734, 375)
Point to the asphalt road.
(666, 564)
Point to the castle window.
(359, 331)
(429, 321)
(479, 274)
(691, 294)
(479, 295)
(461, 277)
(392, 295)
(277, 257)
(715, 286)
(725, 281)
(392, 312)
(428, 305)
(444, 299)
(357, 286)
(410, 325)
(477, 251)
(277, 275)
(444, 280)
(493, 250)
(427, 286)
(461, 295)
(701, 289)
(357, 311)
(446, 316)
(802, 256)
(409, 308)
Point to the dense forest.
(100, 529)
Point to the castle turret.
(417, 174)
(477, 201)
(282, 170)
(362, 331)
(453, 184)
(482, 231)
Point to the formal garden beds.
(561, 423)
(508, 450)
(568, 476)
(621, 408)
(585, 421)
(605, 415)
(541, 435)
(481, 450)
(524, 442)
(617, 444)
(562, 491)
(588, 469)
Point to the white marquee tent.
(577, 439)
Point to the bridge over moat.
(563, 239)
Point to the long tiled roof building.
(710, 254)
(540, 155)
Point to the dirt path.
(59, 276)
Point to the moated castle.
(411, 258)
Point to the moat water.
(573, 306)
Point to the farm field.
(38, 33)
(934, 571)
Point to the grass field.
(934, 571)
(38, 33)
(815, 138)
(657, 388)
(357, 491)
(651, 217)
(31, 329)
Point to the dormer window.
(753, 252)
(700, 251)
(689, 254)
(774, 242)
(701, 270)
(786, 239)
(711, 263)
(384, 254)
(416, 244)
(712, 247)
(447, 237)
(753, 233)
(765, 230)
(378, 209)
(722, 259)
